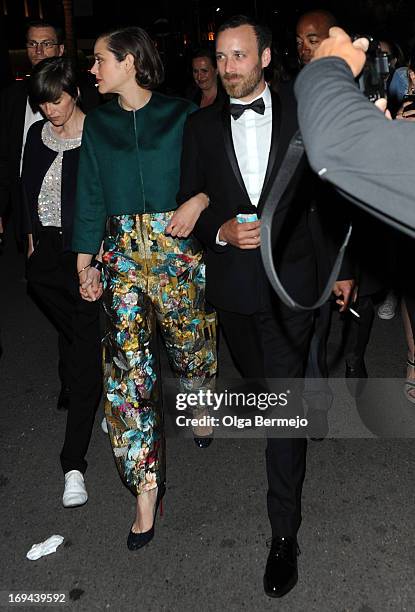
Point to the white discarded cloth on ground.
(45, 548)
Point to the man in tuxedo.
(233, 152)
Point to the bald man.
(312, 28)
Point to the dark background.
(180, 26)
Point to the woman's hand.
(185, 217)
(90, 285)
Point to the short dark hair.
(147, 61)
(50, 78)
(262, 32)
(205, 52)
(328, 17)
(41, 23)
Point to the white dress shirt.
(251, 135)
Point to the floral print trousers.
(150, 278)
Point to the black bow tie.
(238, 109)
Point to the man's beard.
(246, 85)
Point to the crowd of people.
(134, 201)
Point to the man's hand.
(339, 44)
(382, 104)
(241, 235)
(30, 247)
(343, 290)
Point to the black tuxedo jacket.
(235, 277)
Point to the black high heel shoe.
(138, 540)
(203, 441)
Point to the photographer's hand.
(339, 44)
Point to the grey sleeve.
(352, 145)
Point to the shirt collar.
(265, 95)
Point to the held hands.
(339, 44)
(241, 235)
(185, 217)
(90, 285)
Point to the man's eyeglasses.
(45, 44)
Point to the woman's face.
(110, 74)
(60, 111)
(204, 73)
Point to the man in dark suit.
(16, 115)
(233, 152)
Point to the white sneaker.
(104, 425)
(387, 310)
(75, 493)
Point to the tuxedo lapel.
(230, 149)
(275, 141)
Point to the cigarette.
(356, 314)
(96, 84)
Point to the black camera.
(372, 79)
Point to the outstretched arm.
(348, 142)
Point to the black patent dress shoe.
(203, 441)
(63, 399)
(138, 540)
(281, 572)
(356, 378)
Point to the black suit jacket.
(235, 276)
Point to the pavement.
(209, 550)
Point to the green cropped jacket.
(129, 164)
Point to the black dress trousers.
(274, 343)
(53, 282)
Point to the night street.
(209, 550)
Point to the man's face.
(50, 47)
(311, 31)
(204, 73)
(239, 65)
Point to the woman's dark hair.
(205, 52)
(136, 41)
(50, 78)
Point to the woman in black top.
(49, 186)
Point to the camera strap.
(284, 188)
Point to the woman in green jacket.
(153, 273)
